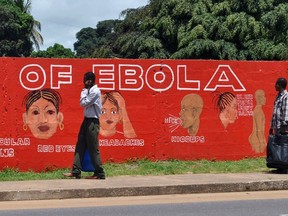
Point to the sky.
(62, 19)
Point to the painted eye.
(113, 112)
(103, 112)
(50, 112)
(35, 112)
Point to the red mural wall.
(164, 109)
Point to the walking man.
(279, 122)
(88, 135)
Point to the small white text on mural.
(187, 139)
(121, 142)
(55, 148)
(8, 142)
(245, 104)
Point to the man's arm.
(284, 122)
(88, 97)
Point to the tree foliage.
(56, 51)
(192, 29)
(97, 42)
(35, 36)
(14, 30)
(16, 27)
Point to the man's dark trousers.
(88, 139)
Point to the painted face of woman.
(110, 116)
(42, 119)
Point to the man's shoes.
(95, 177)
(279, 171)
(282, 171)
(72, 175)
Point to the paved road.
(239, 204)
(141, 200)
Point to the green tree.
(200, 29)
(56, 51)
(86, 42)
(97, 42)
(136, 40)
(36, 37)
(15, 28)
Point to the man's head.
(281, 84)
(89, 79)
(191, 108)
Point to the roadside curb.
(138, 187)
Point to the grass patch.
(15, 175)
(171, 167)
(146, 167)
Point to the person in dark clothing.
(279, 121)
(88, 135)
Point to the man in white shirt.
(90, 99)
